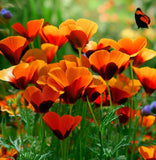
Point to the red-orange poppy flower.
(143, 56)
(124, 114)
(13, 97)
(95, 89)
(104, 44)
(22, 74)
(83, 62)
(147, 77)
(71, 82)
(148, 152)
(61, 126)
(31, 31)
(8, 154)
(146, 121)
(78, 32)
(34, 54)
(105, 100)
(108, 64)
(132, 48)
(49, 50)
(41, 100)
(121, 89)
(51, 34)
(12, 48)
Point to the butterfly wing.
(141, 19)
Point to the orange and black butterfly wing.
(141, 19)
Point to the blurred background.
(115, 18)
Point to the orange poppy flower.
(122, 90)
(12, 48)
(51, 34)
(41, 100)
(105, 100)
(71, 82)
(132, 48)
(108, 64)
(124, 114)
(79, 63)
(95, 89)
(13, 97)
(104, 44)
(78, 32)
(148, 152)
(61, 126)
(34, 54)
(22, 74)
(143, 56)
(8, 154)
(49, 50)
(146, 121)
(147, 77)
(31, 31)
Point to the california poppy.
(34, 54)
(78, 32)
(143, 56)
(124, 114)
(147, 77)
(142, 20)
(95, 89)
(61, 126)
(14, 98)
(132, 48)
(12, 48)
(104, 43)
(31, 31)
(8, 154)
(22, 74)
(70, 83)
(41, 100)
(49, 50)
(148, 152)
(122, 90)
(108, 64)
(51, 34)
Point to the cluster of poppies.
(96, 71)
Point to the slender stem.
(132, 78)
(42, 131)
(79, 51)
(134, 137)
(32, 45)
(110, 97)
(92, 112)
(101, 110)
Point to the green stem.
(64, 149)
(92, 112)
(134, 138)
(42, 132)
(110, 97)
(79, 51)
(132, 77)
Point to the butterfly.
(142, 20)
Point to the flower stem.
(110, 97)
(92, 112)
(42, 136)
(79, 51)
